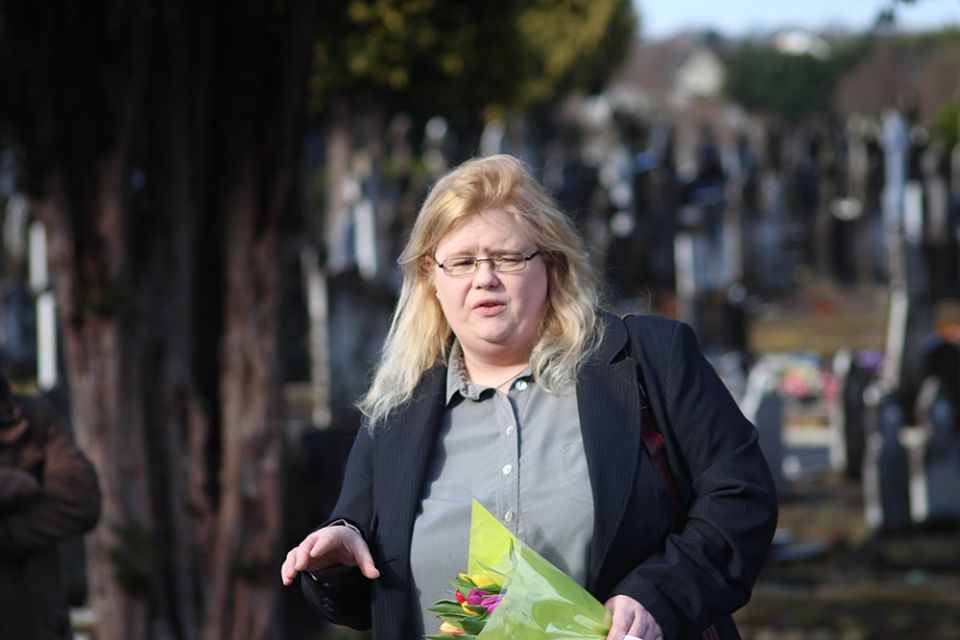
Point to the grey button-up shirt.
(521, 455)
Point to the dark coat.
(48, 491)
(686, 581)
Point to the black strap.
(654, 444)
(656, 448)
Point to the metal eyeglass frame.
(527, 257)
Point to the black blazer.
(687, 581)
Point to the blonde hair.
(420, 336)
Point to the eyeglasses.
(468, 265)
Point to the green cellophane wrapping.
(540, 602)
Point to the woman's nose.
(486, 275)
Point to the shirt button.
(520, 385)
(508, 516)
(509, 430)
(507, 468)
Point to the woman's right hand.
(327, 547)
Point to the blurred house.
(661, 75)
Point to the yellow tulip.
(448, 627)
(483, 581)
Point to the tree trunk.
(174, 397)
(256, 173)
(83, 202)
(106, 409)
(177, 418)
(248, 528)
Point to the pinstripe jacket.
(687, 581)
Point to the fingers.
(348, 547)
(326, 547)
(361, 554)
(631, 620)
(298, 559)
(319, 550)
(621, 621)
(288, 571)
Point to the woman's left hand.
(631, 619)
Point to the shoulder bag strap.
(654, 444)
(656, 449)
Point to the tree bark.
(78, 103)
(102, 359)
(246, 539)
(176, 416)
(175, 398)
(257, 173)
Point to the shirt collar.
(459, 384)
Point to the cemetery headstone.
(885, 469)
(941, 463)
(763, 405)
(942, 361)
(854, 373)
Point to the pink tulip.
(490, 602)
(476, 596)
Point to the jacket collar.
(403, 450)
(609, 407)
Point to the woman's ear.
(427, 267)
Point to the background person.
(48, 492)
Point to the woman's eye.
(459, 262)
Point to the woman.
(501, 380)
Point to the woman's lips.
(489, 307)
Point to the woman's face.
(495, 316)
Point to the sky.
(741, 17)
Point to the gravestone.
(839, 456)
(854, 371)
(18, 328)
(771, 256)
(941, 464)
(895, 143)
(954, 217)
(942, 361)
(936, 238)
(920, 311)
(769, 421)
(886, 473)
(719, 318)
(763, 405)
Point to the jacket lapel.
(404, 448)
(609, 408)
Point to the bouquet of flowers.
(510, 592)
